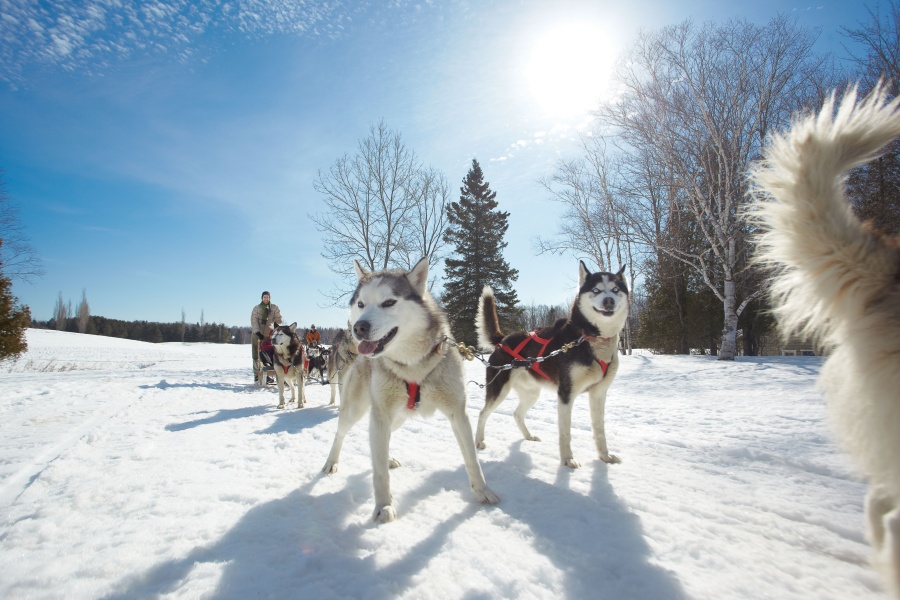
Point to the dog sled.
(265, 368)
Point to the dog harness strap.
(603, 365)
(414, 394)
(532, 336)
(286, 367)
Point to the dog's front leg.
(279, 381)
(335, 380)
(380, 443)
(462, 429)
(292, 381)
(352, 410)
(564, 423)
(597, 396)
(301, 384)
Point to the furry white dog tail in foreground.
(838, 281)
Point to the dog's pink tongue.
(367, 347)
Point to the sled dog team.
(410, 367)
(835, 280)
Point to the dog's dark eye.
(388, 303)
(360, 304)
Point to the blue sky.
(162, 154)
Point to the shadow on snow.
(305, 544)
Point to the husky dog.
(343, 351)
(403, 371)
(838, 281)
(317, 360)
(289, 358)
(589, 365)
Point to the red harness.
(414, 394)
(536, 366)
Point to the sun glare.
(568, 69)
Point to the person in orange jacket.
(313, 337)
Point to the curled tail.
(487, 325)
(828, 266)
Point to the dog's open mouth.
(605, 313)
(372, 348)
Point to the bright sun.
(568, 69)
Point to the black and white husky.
(317, 363)
(403, 369)
(289, 359)
(588, 365)
(838, 281)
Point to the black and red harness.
(414, 391)
(534, 362)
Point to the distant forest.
(147, 331)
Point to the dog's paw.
(393, 463)
(570, 462)
(533, 438)
(281, 405)
(385, 514)
(610, 459)
(330, 468)
(486, 496)
(481, 445)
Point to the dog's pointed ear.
(583, 273)
(360, 271)
(621, 273)
(418, 277)
(294, 327)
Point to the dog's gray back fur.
(343, 353)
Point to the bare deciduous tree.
(383, 208)
(880, 41)
(20, 261)
(593, 222)
(874, 188)
(428, 220)
(83, 312)
(61, 313)
(696, 106)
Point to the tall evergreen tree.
(476, 232)
(14, 320)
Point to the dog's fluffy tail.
(487, 325)
(829, 267)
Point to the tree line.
(147, 331)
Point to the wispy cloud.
(553, 136)
(89, 36)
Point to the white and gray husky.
(589, 365)
(838, 281)
(288, 359)
(402, 370)
(343, 352)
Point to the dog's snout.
(361, 329)
(609, 303)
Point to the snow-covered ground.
(133, 470)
